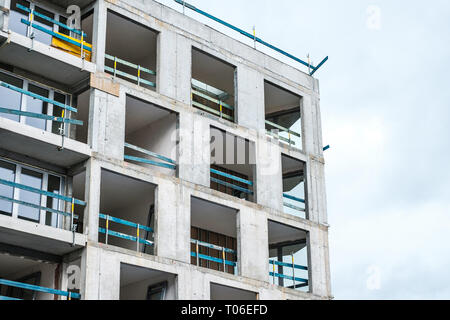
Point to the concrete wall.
(138, 290)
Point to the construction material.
(32, 287)
(230, 185)
(171, 164)
(211, 94)
(115, 72)
(253, 37)
(200, 256)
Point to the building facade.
(145, 155)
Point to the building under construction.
(147, 156)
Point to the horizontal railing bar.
(205, 257)
(40, 116)
(150, 153)
(130, 64)
(43, 192)
(288, 277)
(203, 87)
(293, 207)
(289, 265)
(39, 288)
(277, 136)
(225, 105)
(8, 299)
(293, 198)
(154, 163)
(129, 76)
(282, 128)
(125, 222)
(36, 96)
(226, 175)
(211, 110)
(37, 14)
(125, 236)
(71, 40)
(35, 206)
(212, 246)
(226, 184)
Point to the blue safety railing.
(115, 72)
(124, 236)
(297, 282)
(73, 201)
(168, 163)
(212, 95)
(312, 68)
(230, 185)
(294, 207)
(70, 295)
(79, 43)
(274, 130)
(39, 115)
(223, 250)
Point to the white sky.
(385, 103)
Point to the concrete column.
(269, 182)
(174, 66)
(4, 18)
(99, 35)
(316, 191)
(172, 222)
(253, 244)
(107, 124)
(92, 196)
(250, 98)
(194, 148)
(319, 265)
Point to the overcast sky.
(385, 101)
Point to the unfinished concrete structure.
(146, 166)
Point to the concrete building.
(165, 160)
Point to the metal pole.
(137, 238)
(115, 67)
(273, 273)
(139, 75)
(223, 258)
(71, 222)
(196, 251)
(293, 268)
(107, 229)
(254, 37)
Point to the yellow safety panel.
(71, 48)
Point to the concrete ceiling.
(130, 41)
(282, 233)
(213, 217)
(277, 99)
(291, 165)
(220, 292)
(65, 3)
(213, 71)
(129, 193)
(12, 264)
(131, 274)
(140, 114)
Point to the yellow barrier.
(71, 48)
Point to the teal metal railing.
(26, 286)
(39, 115)
(223, 250)
(136, 238)
(213, 95)
(168, 163)
(297, 282)
(290, 134)
(294, 207)
(115, 72)
(231, 185)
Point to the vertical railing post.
(293, 269)
(223, 259)
(221, 108)
(196, 252)
(115, 67)
(107, 229)
(139, 75)
(72, 227)
(137, 238)
(273, 272)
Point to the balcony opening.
(294, 197)
(213, 85)
(151, 136)
(25, 278)
(213, 236)
(288, 256)
(130, 51)
(283, 116)
(233, 165)
(221, 292)
(138, 283)
(48, 109)
(127, 212)
(48, 26)
(39, 196)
